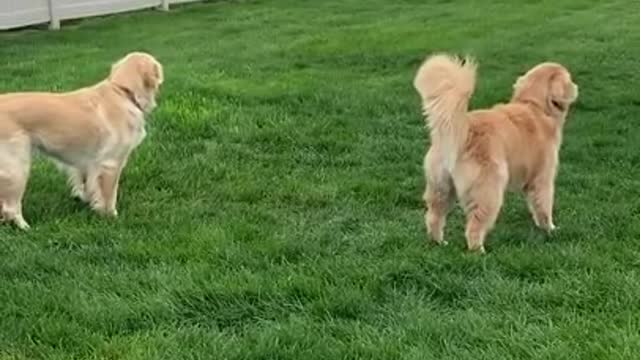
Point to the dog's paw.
(79, 196)
(22, 224)
(436, 238)
(437, 243)
(546, 226)
(104, 210)
(112, 213)
(549, 228)
(477, 250)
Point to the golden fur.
(478, 155)
(90, 132)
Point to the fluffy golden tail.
(446, 84)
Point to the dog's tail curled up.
(446, 84)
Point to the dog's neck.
(528, 101)
(554, 109)
(556, 116)
(130, 95)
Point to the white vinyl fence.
(17, 13)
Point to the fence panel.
(73, 9)
(17, 13)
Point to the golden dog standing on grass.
(478, 155)
(91, 132)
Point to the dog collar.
(131, 96)
(558, 105)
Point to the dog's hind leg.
(438, 200)
(15, 163)
(438, 197)
(482, 203)
(540, 202)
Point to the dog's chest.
(136, 133)
(122, 141)
(138, 136)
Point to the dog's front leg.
(93, 191)
(77, 180)
(108, 183)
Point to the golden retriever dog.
(89, 132)
(478, 155)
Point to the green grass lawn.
(274, 210)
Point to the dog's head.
(548, 85)
(141, 75)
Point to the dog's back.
(517, 135)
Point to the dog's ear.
(153, 75)
(519, 83)
(562, 88)
(127, 73)
(529, 86)
(562, 92)
(120, 75)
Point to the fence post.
(165, 5)
(54, 22)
